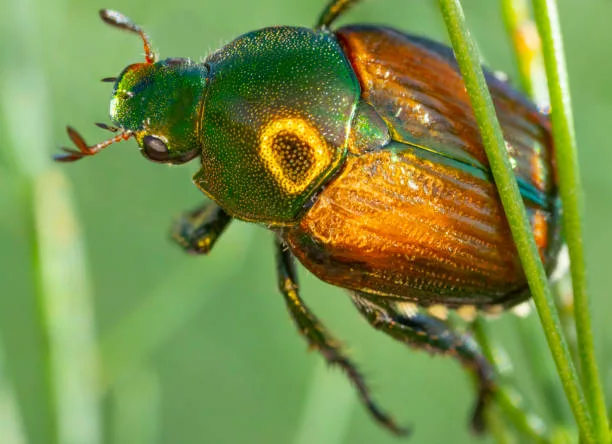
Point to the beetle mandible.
(357, 147)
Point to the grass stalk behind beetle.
(10, 418)
(527, 45)
(570, 186)
(64, 308)
(66, 410)
(328, 407)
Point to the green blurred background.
(201, 349)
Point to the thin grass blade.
(570, 186)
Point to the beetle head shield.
(156, 102)
(161, 104)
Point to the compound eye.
(155, 149)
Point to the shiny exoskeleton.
(359, 149)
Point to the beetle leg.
(197, 231)
(318, 338)
(429, 333)
(333, 10)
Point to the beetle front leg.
(197, 231)
(429, 333)
(318, 338)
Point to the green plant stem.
(497, 428)
(68, 405)
(68, 310)
(547, 19)
(528, 52)
(529, 426)
(328, 408)
(137, 406)
(534, 347)
(468, 60)
(33, 378)
(63, 305)
(527, 48)
(49, 397)
(10, 415)
(564, 298)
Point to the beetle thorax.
(275, 121)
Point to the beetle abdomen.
(414, 225)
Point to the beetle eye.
(155, 148)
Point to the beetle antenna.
(109, 79)
(120, 21)
(87, 150)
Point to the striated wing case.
(420, 219)
(415, 85)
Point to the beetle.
(358, 148)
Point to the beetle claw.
(71, 155)
(78, 140)
(65, 159)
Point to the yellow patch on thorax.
(294, 152)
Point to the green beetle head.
(158, 103)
